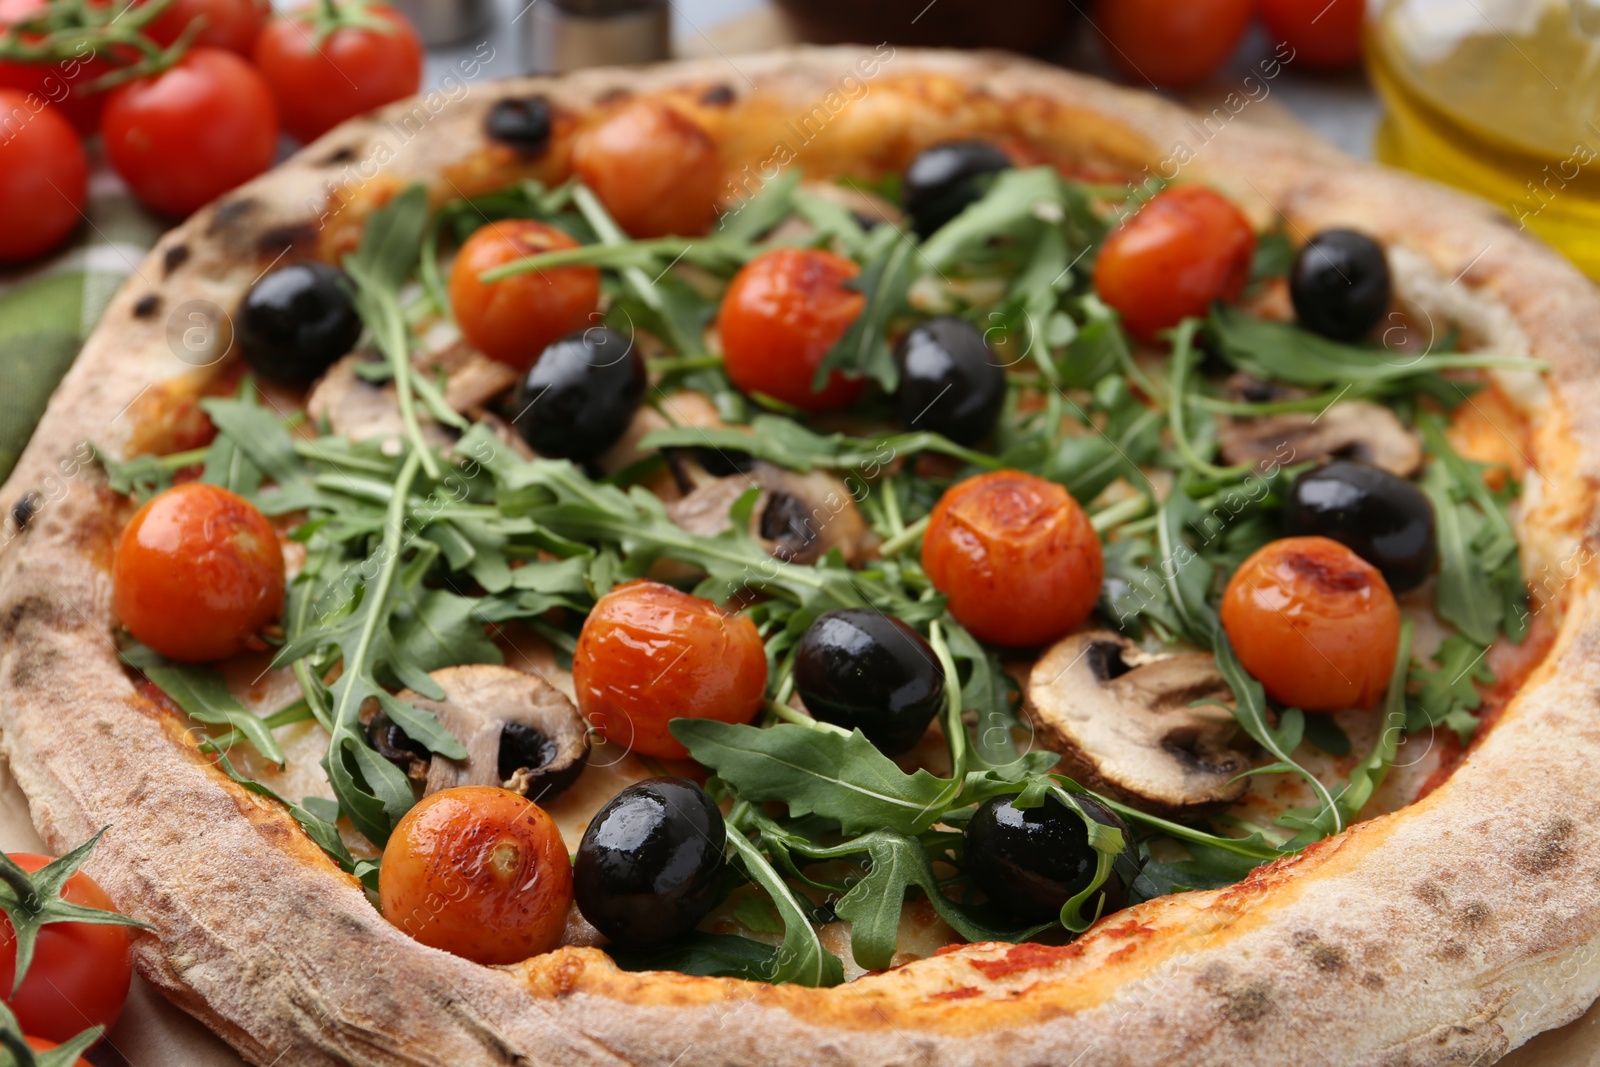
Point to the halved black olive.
(1384, 519)
(951, 381)
(650, 865)
(1340, 284)
(296, 322)
(861, 669)
(944, 179)
(581, 394)
(1032, 861)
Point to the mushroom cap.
(520, 732)
(797, 517)
(1123, 723)
(1352, 429)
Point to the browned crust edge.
(1448, 933)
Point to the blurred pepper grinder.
(563, 35)
(1501, 98)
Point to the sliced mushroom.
(359, 409)
(1354, 429)
(1123, 723)
(520, 732)
(797, 517)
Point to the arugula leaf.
(844, 779)
(1448, 695)
(203, 695)
(708, 955)
(801, 958)
(786, 443)
(1274, 256)
(863, 351)
(1280, 351)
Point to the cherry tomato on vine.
(44, 178)
(185, 136)
(779, 317)
(1184, 249)
(1015, 556)
(513, 320)
(1314, 623)
(39, 1044)
(80, 971)
(480, 872)
(1323, 33)
(324, 69)
(655, 170)
(230, 24)
(60, 81)
(198, 572)
(649, 654)
(1171, 42)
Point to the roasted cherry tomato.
(44, 178)
(514, 319)
(1184, 249)
(780, 316)
(649, 654)
(1172, 42)
(650, 865)
(324, 69)
(1314, 622)
(1031, 861)
(1015, 556)
(80, 971)
(1323, 33)
(655, 170)
(183, 137)
(197, 573)
(480, 872)
(231, 25)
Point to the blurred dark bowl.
(1035, 26)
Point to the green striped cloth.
(47, 309)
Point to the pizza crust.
(1449, 932)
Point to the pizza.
(853, 557)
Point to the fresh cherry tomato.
(1314, 622)
(185, 136)
(44, 177)
(1015, 557)
(480, 872)
(655, 170)
(231, 25)
(1184, 249)
(60, 82)
(779, 317)
(319, 81)
(649, 654)
(39, 1044)
(1172, 43)
(197, 573)
(1323, 33)
(514, 319)
(80, 971)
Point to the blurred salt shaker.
(442, 22)
(563, 35)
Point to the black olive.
(951, 382)
(295, 322)
(862, 669)
(945, 178)
(650, 865)
(1340, 284)
(1381, 517)
(522, 124)
(1032, 861)
(581, 394)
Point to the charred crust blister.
(340, 156)
(146, 306)
(1549, 851)
(718, 96)
(23, 511)
(173, 258)
(281, 240)
(231, 211)
(522, 124)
